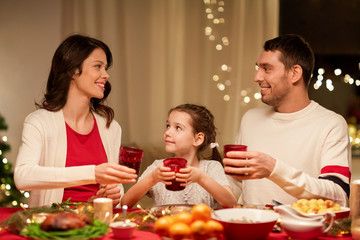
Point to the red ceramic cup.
(175, 164)
(131, 157)
(234, 147)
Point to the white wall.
(29, 35)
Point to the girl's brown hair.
(202, 121)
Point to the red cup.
(175, 164)
(131, 157)
(234, 147)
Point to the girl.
(189, 130)
(71, 144)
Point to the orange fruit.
(184, 217)
(201, 212)
(198, 227)
(179, 230)
(213, 228)
(162, 225)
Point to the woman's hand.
(110, 173)
(162, 174)
(110, 191)
(189, 175)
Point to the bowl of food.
(311, 207)
(245, 223)
(123, 230)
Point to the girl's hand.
(162, 174)
(110, 191)
(110, 173)
(189, 175)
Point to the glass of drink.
(131, 157)
(234, 147)
(175, 164)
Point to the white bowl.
(258, 225)
(123, 230)
(303, 230)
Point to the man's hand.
(244, 165)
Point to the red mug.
(175, 164)
(234, 147)
(131, 157)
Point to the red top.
(83, 150)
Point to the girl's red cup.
(234, 147)
(175, 164)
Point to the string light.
(10, 196)
(213, 11)
(215, 32)
(329, 82)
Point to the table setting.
(173, 222)
(97, 219)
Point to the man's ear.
(199, 139)
(296, 73)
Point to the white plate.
(343, 213)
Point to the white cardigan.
(40, 165)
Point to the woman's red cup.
(234, 147)
(175, 164)
(131, 157)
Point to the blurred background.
(170, 52)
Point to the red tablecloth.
(5, 234)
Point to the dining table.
(5, 234)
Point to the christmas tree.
(9, 194)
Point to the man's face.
(272, 78)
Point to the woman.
(70, 145)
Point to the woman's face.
(91, 82)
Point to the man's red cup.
(175, 164)
(234, 147)
(131, 157)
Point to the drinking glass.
(131, 157)
(234, 147)
(175, 164)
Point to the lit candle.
(103, 209)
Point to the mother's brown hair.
(68, 58)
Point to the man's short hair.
(295, 51)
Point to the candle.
(355, 208)
(103, 209)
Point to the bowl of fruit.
(245, 223)
(194, 224)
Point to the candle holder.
(355, 208)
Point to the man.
(296, 148)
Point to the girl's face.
(91, 82)
(179, 137)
